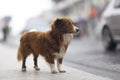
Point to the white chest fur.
(67, 39)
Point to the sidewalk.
(11, 69)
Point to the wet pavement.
(10, 68)
(88, 54)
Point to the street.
(89, 55)
(11, 69)
(85, 54)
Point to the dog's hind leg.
(35, 62)
(23, 64)
(59, 64)
(25, 53)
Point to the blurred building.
(77, 10)
(74, 9)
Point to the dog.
(52, 45)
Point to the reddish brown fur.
(45, 43)
(40, 43)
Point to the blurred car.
(108, 28)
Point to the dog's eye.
(69, 23)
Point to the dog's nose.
(77, 30)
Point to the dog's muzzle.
(76, 29)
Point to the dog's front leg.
(59, 65)
(50, 60)
(52, 67)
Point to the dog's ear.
(58, 23)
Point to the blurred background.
(31, 13)
(92, 50)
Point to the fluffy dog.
(52, 45)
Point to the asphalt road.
(10, 68)
(89, 55)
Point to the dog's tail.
(19, 55)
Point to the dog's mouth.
(74, 32)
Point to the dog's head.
(64, 25)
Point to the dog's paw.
(23, 69)
(54, 72)
(62, 71)
(36, 68)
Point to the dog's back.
(37, 43)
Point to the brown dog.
(52, 45)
